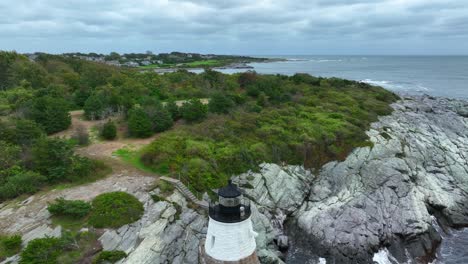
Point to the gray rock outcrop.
(384, 195)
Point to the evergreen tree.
(194, 110)
(162, 119)
(94, 107)
(109, 130)
(51, 113)
(139, 123)
(220, 103)
(172, 107)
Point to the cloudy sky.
(236, 26)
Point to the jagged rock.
(40, 232)
(380, 195)
(278, 187)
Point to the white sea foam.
(384, 257)
(386, 84)
(322, 261)
(325, 60)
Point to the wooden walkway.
(185, 191)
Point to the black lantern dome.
(229, 191)
(232, 206)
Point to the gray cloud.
(234, 26)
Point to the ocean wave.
(311, 60)
(400, 86)
(384, 257)
(325, 60)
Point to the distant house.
(131, 64)
(113, 63)
(145, 63)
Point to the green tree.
(172, 107)
(109, 130)
(262, 99)
(220, 103)
(9, 155)
(6, 60)
(94, 107)
(139, 123)
(162, 119)
(51, 113)
(53, 158)
(194, 110)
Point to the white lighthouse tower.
(230, 237)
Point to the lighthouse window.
(212, 241)
(230, 202)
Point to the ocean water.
(434, 75)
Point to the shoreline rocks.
(384, 196)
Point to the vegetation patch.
(69, 248)
(109, 130)
(109, 257)
(165, 187)
(302, 120)
(69, 208)
(9, 246)
(42, 250)
(115, 209)
(132, 157)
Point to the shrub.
(81, 167)
(10, 245)
(42, 251)
(166, 187)
(162, 119)
(9, 155)
(20, 183)
(139, 123)
(172, 107)
(71, 208)
(220, 103)
(193, 110)
(109, 257)
(115, 209)
(109, 130)
(27, 132)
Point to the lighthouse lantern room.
(230, 237)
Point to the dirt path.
(99, 148)
(24, 215)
